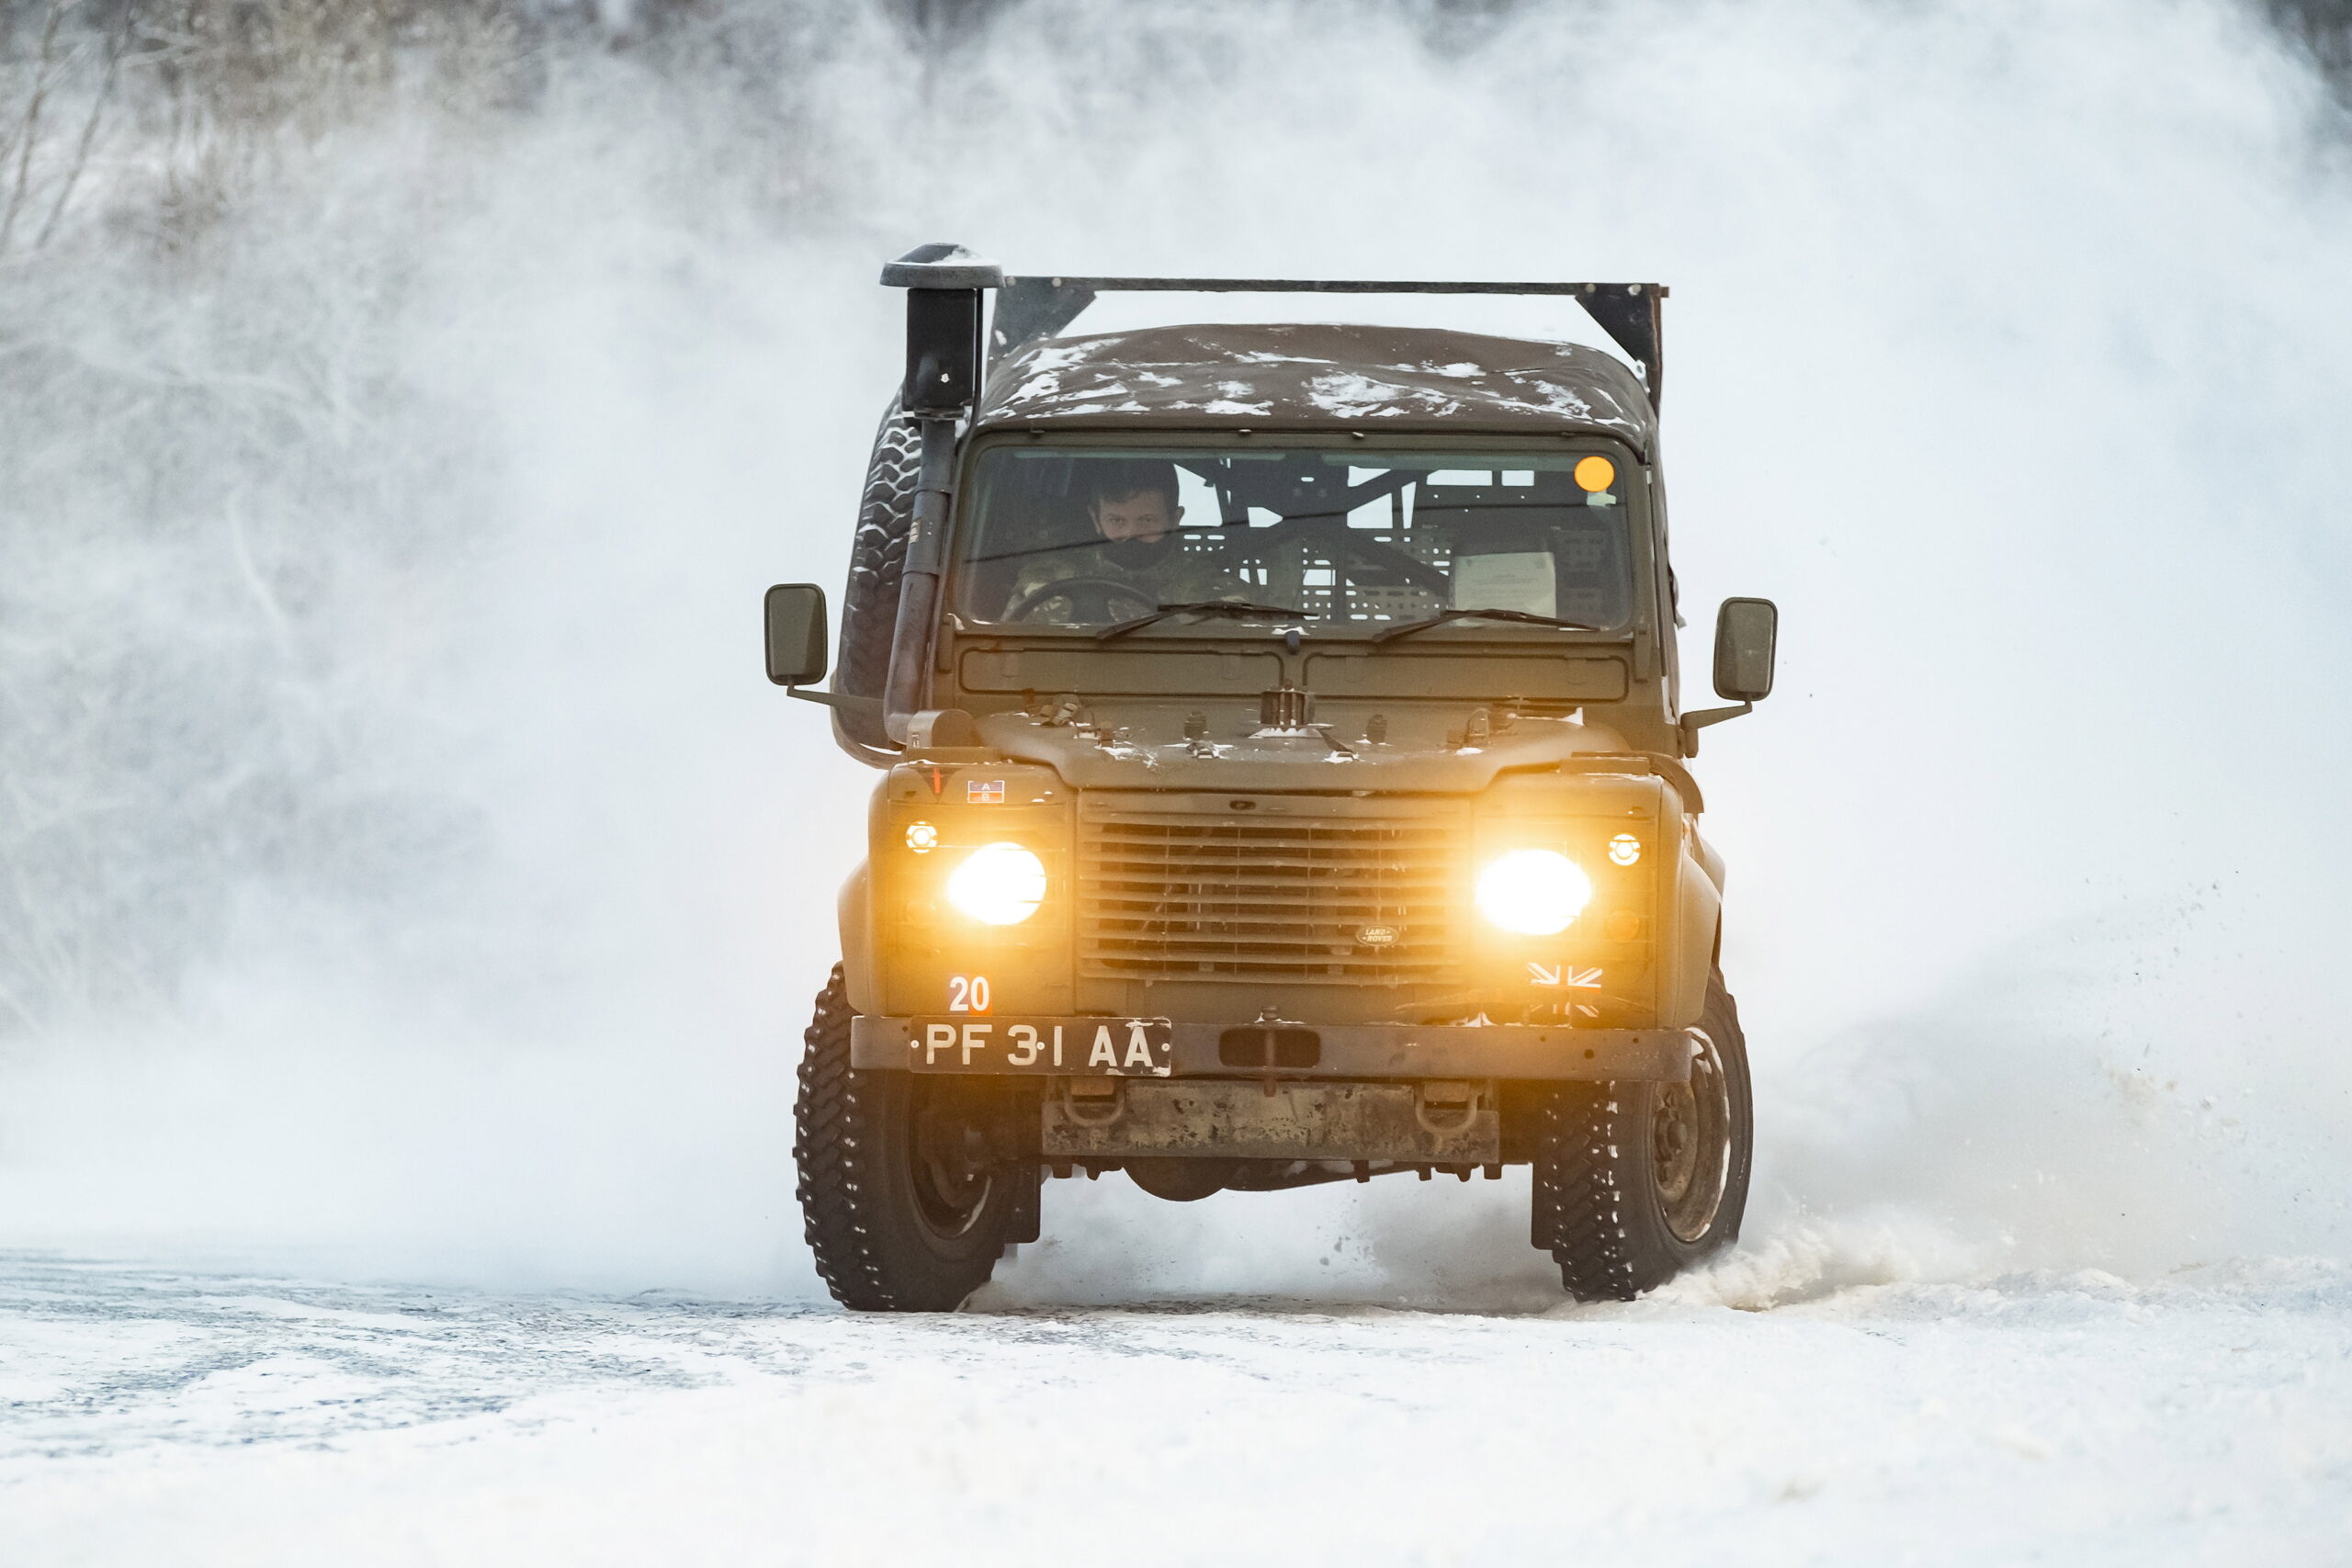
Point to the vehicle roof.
(1316, 377)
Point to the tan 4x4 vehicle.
(1283, 781)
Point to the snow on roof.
(1306, 377)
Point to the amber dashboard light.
(921, 837)
(1595, 474)
(1624, 849)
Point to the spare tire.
(877, 559)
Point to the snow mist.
(409, 866)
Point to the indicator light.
(1623, 925)
(1624, 849)
(921, 837)
(1595, 474)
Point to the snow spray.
(409, 863)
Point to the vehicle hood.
(1113, 756)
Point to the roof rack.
(1631, 314)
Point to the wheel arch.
(855, 912)
(1696, 944)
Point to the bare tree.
(117, 46)
(27, 133)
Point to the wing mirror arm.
(1691, 723)
(845, 703)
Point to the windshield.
(1095, 536)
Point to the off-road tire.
(1601, 1207)
(877, 562)
(853, 1143)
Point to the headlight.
(1001, 885)
(1533, 892)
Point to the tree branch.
(116, 48)
(32, 133)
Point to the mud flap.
(1024, 1217)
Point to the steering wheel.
(1093, 600)
(1386, 560)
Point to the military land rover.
(1284, 781)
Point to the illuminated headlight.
(1001, 885)
(1533, 892)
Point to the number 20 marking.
(967, 993)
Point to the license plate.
(1105, 1047)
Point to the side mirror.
(796, 638)
(1745, 631)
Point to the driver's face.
(1148, 515)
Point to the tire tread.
(877, 564)
(829, 1153)
(1579, 1192)
(1593, 1206)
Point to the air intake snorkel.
(944, 285)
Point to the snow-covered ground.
(162, 1416)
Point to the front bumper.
(1365, 1050)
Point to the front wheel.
(1637, 1181)
(907, 1193)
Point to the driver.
(1132, 506)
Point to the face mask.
(1140, 555)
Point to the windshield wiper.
(1523, 617)
(1200, 607)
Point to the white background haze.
(392, 672)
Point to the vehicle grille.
(1185, 894)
